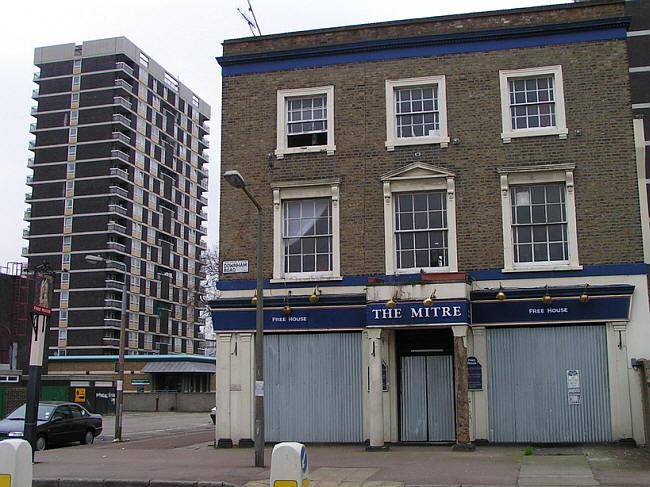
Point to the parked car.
(213, 415)
(58, 423)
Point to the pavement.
(192, 461)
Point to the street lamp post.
(235, 179)
(117, 436)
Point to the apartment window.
(416, 112)
(65, 277)
(305, 121)
(137, 212)
(133, 339)
(144, 60)
(72, 135)
(134, 302)
(137, 230)
(63, 299)
(74, 117)
(63, 317)
(74, 101)
(133, 320)
(76, 82)
(71, 169)
(65, 264)
(539, 224)
(69, 188)
(72, 152)
(195, 100)
(306, 230)
(148, 340)
(63, 337)
(532, 102)
(76, 66)
(67, 224)
(69, 206)
(420, 219)
(67, 243)
(138, 194)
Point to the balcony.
(120, 83)
(206, 128)
(37, 76)
(30, 180)
(203, 184)
(203, 214)
(24, 252)
(121, 119)
(112, 322)
(203, 230)
(28, 214)
(121, 155)
(25, 232)
(34, 110)
(119, 191)
(111, 341)
(32, 127)
(118, 100)
(28, 197)
(121, 137)
(36, 93)
(124, 67)
(120, 210)
(202, 274)
(205, 142)
(119, 173)
(111, 284)
(203, 200)
(115, 227)
(113, 303)
(30, 162)
(31, 145)
(116, 246)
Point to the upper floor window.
(306, 230)
(416, 112)
(305, 121)
(532, 102)
(420, 220)
(539, 224)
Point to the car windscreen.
(44, 412)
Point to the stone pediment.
(417, 170)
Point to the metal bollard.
(15, 463)
(289, 466)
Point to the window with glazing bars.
(307, 121)
(421, 230)
(532, 103)
(539, 223)
(307, 235)
(417, 112)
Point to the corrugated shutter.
(427, 398)
(313, 388)
(527, 384)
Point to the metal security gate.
(427, 398)
(313, 388)
(532, 381)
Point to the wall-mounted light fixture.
(313, 299)
(428, 301)
(501, 296)
(547, 299)
(287, 309)
(254, 299)
(584, 297)
(390, 304)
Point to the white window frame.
(392, 86)
(560, 128)
(419, 177)
(540, 174)
(305, 190)
(282, 96)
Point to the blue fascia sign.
(452, 312)
(533, 311)
(300, 319)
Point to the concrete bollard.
(15, 463)
(289, 466)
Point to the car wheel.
(41, 443)
(88, 438)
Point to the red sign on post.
(41, 310)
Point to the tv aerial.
(251, 21)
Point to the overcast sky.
(184, 37)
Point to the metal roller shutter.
(527, 384)
(313, 388)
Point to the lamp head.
(501, 296)
(584, 297)
(547, 299)
(287, 309)
(235, 179)
(254, 300)
(390, 304)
